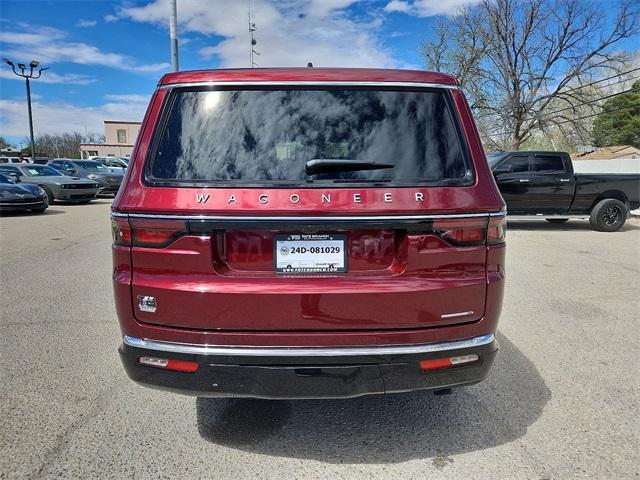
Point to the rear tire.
(49, 193)
(556, 220)
(608, 215)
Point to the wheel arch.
(615, 194)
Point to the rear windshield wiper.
(377, 181)
(330, 165)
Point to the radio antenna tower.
(252, 40)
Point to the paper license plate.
(318, 253)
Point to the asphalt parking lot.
(562, 401)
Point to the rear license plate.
(319, 253)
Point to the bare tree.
(66, 145)
(4, 143)
(522, 61)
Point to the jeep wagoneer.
(308, 233)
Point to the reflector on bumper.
(165, 363)
(447, 362)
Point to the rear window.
(548, 164)
(265, 137)
(92, 166)
(41, 171)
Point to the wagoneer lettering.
(202, 198)
(295, 198)
(308, 233)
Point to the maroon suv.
(308, 233)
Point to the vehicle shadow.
(95, 201)
(385, 429)
(48, 211)
(571, 225)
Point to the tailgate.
(217, 274)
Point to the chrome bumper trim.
(306, 351)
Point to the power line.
(573, 107)
(635, 105)
(622, 80)
(479, 117)
(548, 114)
(579, 87)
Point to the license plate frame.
(310, 262)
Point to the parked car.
(114, 164)
(57, 186)
(109, 182)
(4, 159)
(308, 233)
(21, 197)
(543, 184)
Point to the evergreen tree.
(619, 122)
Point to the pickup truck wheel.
(608, 215)
(556, 220)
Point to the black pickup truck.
(543, 184)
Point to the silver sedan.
(57, 185)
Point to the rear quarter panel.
(594, 187)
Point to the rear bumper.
(306, 372)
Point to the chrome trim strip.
(188, 348)
(13, 204)
(310, 83)
(345, 218)
(542, 216)
(458, 314)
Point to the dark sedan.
(109, 182)
(21, 197)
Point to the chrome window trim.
(346, 218)
(245, 351)
(309, 83)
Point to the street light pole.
(27, 76)
(173, 33)
(33, 142)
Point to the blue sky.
(107, 56)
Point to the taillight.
(497, 230)
(156, 233)
(468, 232)
(461, 232)
(147, 233)
(120, 231)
